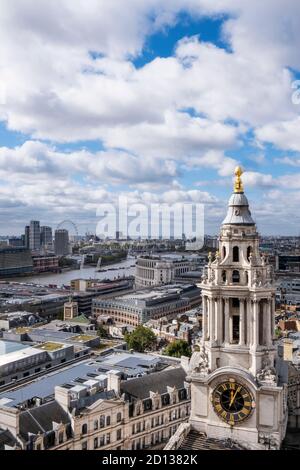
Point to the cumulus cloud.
(70, 76)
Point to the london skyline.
(155, 102)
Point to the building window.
(224, 252)
(107, 438)
(249, 252)
(61, 437)
(119, 434)
(224, 276)
(119, 417)
(108, 421)
(235, 277)
(84, 429)
(102, 422)
(84, 446)
(235, 328)
(235, 254)
(95, 425)
(102, 441)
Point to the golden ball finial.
(238, 185)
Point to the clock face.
(232, 402)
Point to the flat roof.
(75, 375)
(18, 355)
(10, 346)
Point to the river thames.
(113, 271)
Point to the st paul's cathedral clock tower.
(235, 390)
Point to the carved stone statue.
(199, 361)
(267, 375)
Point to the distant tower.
(34, 236)
(61, 244)
(27, 236)
(46, 238)
(70, 310)
(236, 391)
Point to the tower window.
(224, 252)
(224, 276)
(249, 251)
(235, 328)
(235, 254)
(235, 276)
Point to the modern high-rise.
(46, 237)
(27, 236)
(34, 235)
(61, 244)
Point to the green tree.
(178, 348)
(140, 339)
(102, 332)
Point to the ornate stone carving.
(199, 361)
(267, 374)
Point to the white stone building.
(159, 270)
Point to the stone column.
(226, 319)
(268, 321)
(249, 320)
(204, 318)
(273, 307)
(212, 320)
(219, 321)
(242, 323)
(255, 328)
(230, 329)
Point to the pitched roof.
(40, 419)
(155, 382)
(7, 439)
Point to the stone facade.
(104, 420)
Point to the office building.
(81, 408)
(27, 237)
(34, 236)
(61, 243)
(142, 306)
(15, 262)
(157, 270)
(46, 238)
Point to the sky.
(154, 101)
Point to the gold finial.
(238, 185)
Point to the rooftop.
(158, 382)
(50, 347)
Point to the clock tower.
(235, 389)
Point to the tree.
(140, 339)
(178, 348)
(102, 332)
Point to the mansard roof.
(155, 382)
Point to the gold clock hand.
(233, 398)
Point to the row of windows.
(101, 423)
(155, 438)
(236, 253)
(102, 440)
